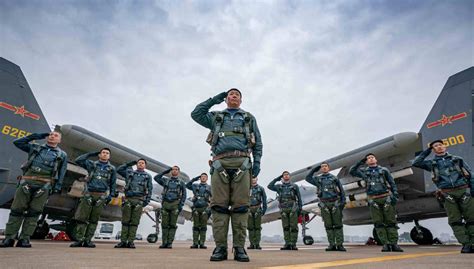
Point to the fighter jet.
(20, 115)
(450, 119)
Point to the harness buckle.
(220, 134)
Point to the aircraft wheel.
(376, 237)
(152, 238)
(421, 236)
(41, 231)
(308, 240)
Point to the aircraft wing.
(386, 150)
(78, 140)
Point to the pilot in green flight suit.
(382, 197)
(258, 207)
(291, 206)
(138, 190)
(43, 174)
(100, 188)
(234, 138)
(455, 183)
(173, 198)
(201, 211)
(331, 202)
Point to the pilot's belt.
(136, 198)
(379, 195)
(455, 189)
(234, 153)
(96, 193)
(256, 206)
(326, 200)
(36, 178)
(231, 133)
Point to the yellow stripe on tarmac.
(362, 260)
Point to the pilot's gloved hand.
(219, 98)
(363, 160)
(394, 198)
(300, 211)
(132, 163)
(180, 207)
(196, 178)
(342, 203)
(315, 169)
(167, 170)
(94, 153)
(42, 135)
(264, 210)
(255, 169)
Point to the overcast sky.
(321, 77)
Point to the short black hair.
(179, 169)
(141, 159)
(325, 163)
(369, 154)
(107, 149)
(436, 141)
(285, 172)
(204, 174)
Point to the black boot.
(76, 244)
(131, 245)
(88, 244)
(7, 243)
(121, 245)
(331, 248)
(286, 247)
(396, 248)
(219, 254)
(466, 249)
(251, 247)
(163, 245)
(169, 245)
(258, 247)
(240, 255)
(293, 247)
(194, 246)
(23, 243)
(202, 246)
(340, 248)
(386, 248)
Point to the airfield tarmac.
(49, 254)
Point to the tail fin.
(451, 117)
(20, 115)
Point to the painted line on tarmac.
(363, 260)
(300, 248)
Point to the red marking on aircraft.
(19, 110)
(446, 120)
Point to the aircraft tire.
(152, 238)
(421, 236)
(308, 240)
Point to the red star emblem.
(445, 120)
(20, 111)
